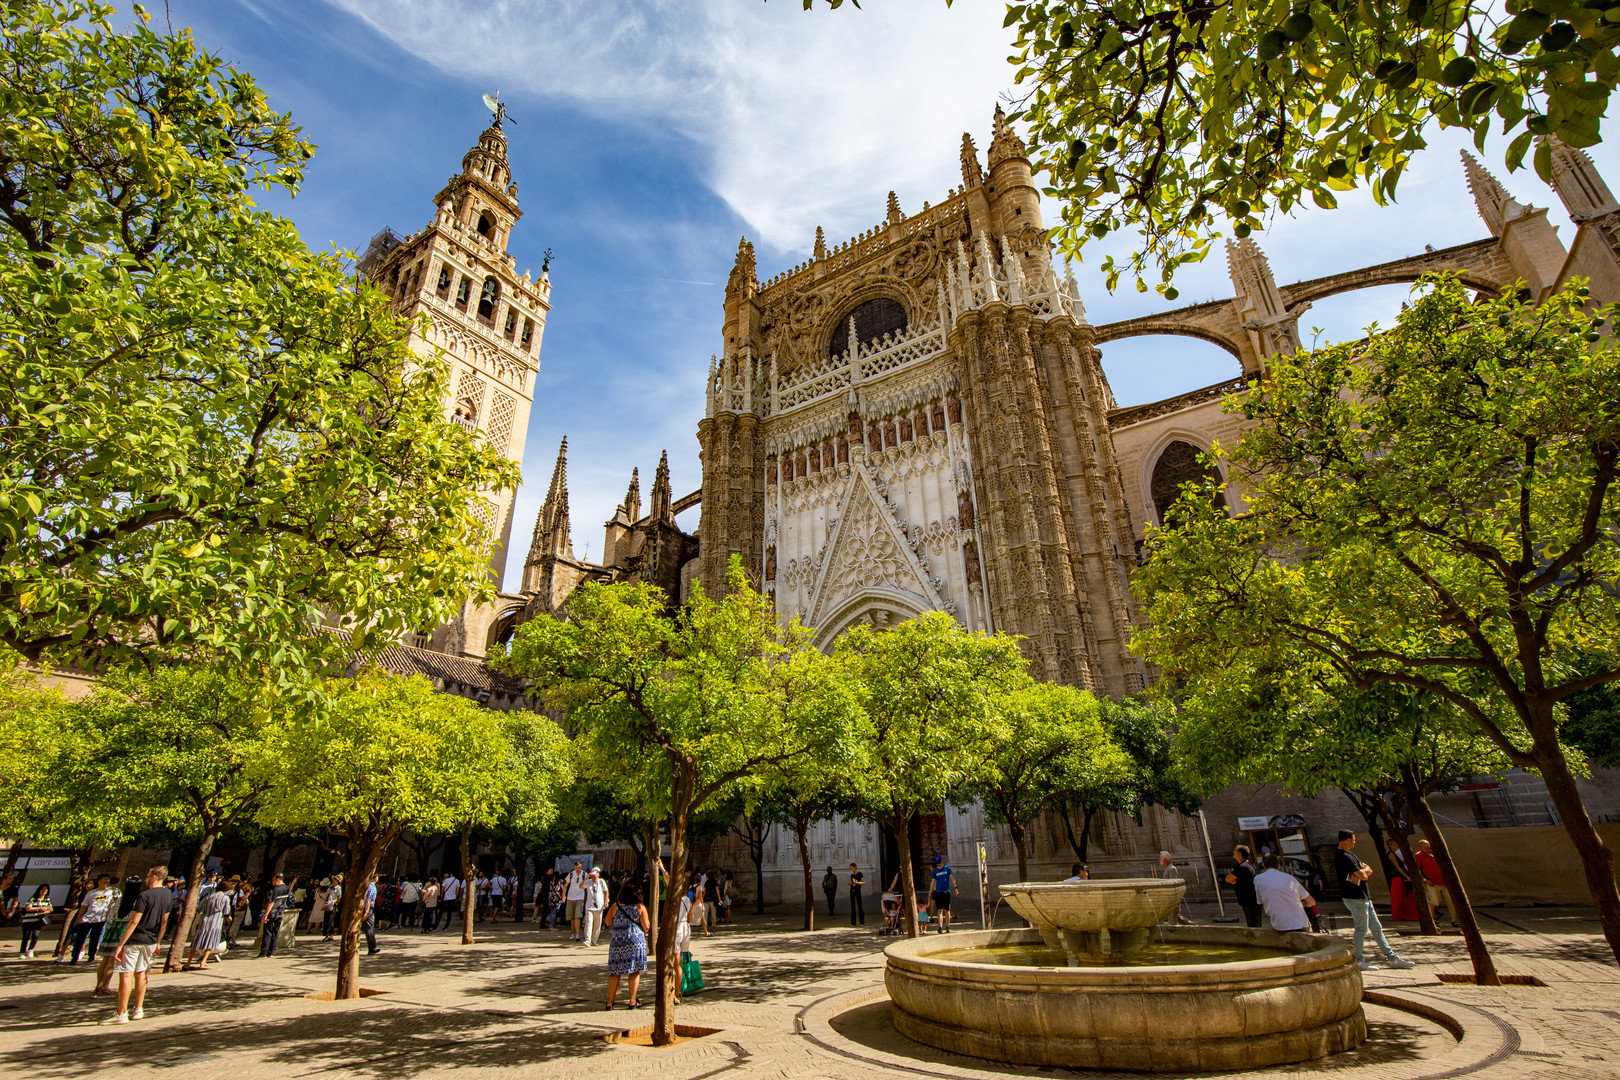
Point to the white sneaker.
(137, 1014)
(1399, 962)
(120, 1018)
(1367, 966)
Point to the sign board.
(45, 862)
(1271, 821)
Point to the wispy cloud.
(801, 118)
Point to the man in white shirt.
(449, 899)
(1283, 898)
(576, 898)
(596, 894)
(497, 896)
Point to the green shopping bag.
(691, 974)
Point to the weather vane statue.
(494, 104)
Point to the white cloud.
(803, 118)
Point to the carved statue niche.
(964, 510)
(970, 560)
(843, 449)
(770, 469)
(937, 416)
(888, 432)
(953, 408)
(815, 457)
(919, 422)
(905, 429)
(875, 441)
(770, 564)
(827, 452)
(854, 428)
(801, 461)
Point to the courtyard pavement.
(526, 1002)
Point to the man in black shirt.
(1242, 881)
(857, 905)
(132, 958)
(275, 908)
(829, 885)
(1353, 874)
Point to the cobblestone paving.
(527, 1002)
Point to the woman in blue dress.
(627, 950)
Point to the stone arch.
(1168, 327)
(872, 603)
(1310, 291)
(1172, 462)
(502, 627)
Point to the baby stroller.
(892, 921)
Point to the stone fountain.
(1098, 984)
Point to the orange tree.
(1434, 508)
(673, 711)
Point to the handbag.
(691, 974)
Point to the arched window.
(1180, 463)
(488, 299)
(466, 413)
(444, 281)
(486, 225)
(511, 323)
(873, 319)
(462, 289)
(528, 333)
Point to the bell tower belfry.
(485, 318)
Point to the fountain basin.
(1092, 920)
(1220, 1017)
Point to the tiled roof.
(448, 672)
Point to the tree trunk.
(1085, 830)
(669, 962)
(1367, 804)
(365, 852)
(1596, 858)
(521, 850)
(188, 911)
(756, 851)
(1461, 910)
(122, 868)
(1018, 846)
(80, 862)
(469, 892)
(900, 825)
(12, 855)
(654, 854)
(801, 833)
(1403, 842)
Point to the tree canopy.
(675, 711)
(211, 439)
(1053, 742)
(1430, 508)
(1182, 117)
(383, 754)
(927, 688)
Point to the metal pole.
(984, 881)
(1209, 852)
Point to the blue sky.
(650, 135)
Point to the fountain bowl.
(1093, 920)
(1218, 1017)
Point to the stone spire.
(1576, 179)
(1496, 206)
(895, 217)
(552, 532)
(972, 175)
(743, 277)
(661, 501)
(1004, 142)
(632, 497)
(821, 243)
(1271, 327)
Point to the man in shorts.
(944, 885)
(576, 900)
(132, 959)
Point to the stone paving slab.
(526, 1002)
